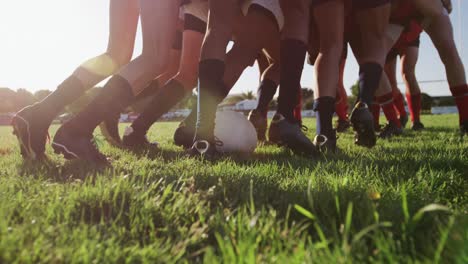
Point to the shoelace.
(218, 142)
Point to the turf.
(404, 201)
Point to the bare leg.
(122, 30)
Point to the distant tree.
(24, 98)
(355, 89)
(7, 100)
(41, 94)
(307, 98)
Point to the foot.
(390, 130)
(31, 130)
(325, 144)
(291, 135)
(184, 134)
(204, 149)
(417, 126)
(136, 141)
(260, 123)
(110, 130)
(76, 146)
(342, 125)
(363, 124)
(403, 120)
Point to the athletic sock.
(167, 97)
(342, 109)
(266, 91)
(149, 91)
(211, 91)
(297, 112)
(414, 105)
(113, 98)
(325, 108)
(375, 109)
(292, 62)
(386, 102)
(461, 99)
(399, 103)
(369, 79)
(67, 92)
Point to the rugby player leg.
(413, 92)
(31, 124)
(159, 21)
(284, 128)
(180, 85)
(372, 18)
(439, 28)
(398, 99)
(342, 101)
(329, 18)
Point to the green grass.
(404, 201)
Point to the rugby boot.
(31, 130)
(205, 149)
(291, 135)
(136, 141)
(260, 123)
(77, 146)
(110, 130)
(342, 125)
(325, 144)
(417, 126)
(464, 128)
(185, 132)
(390, 130)
(363, 124)
(403, 120)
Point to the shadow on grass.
(70, 171)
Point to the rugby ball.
(235, 132)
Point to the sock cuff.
(372, 68)
(211, 69)
(460, 90)
(385, 99)
(324, 103)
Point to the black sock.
(149, 91)
(369, 80)
(67, 92)
(211, 91)
(167, 97)
(293, 54)
(114, 97)
(266, 91)
(325, 108)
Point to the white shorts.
(198, 9)
(271, 5)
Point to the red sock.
(461, 99)
(414, 105)
(375, 109)
(386, 102)
(342, 109)
(298, 109)
(399, 103)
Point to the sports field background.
(403, 201)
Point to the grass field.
(405, 201)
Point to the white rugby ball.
(235, 132)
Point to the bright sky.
(42, 42)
